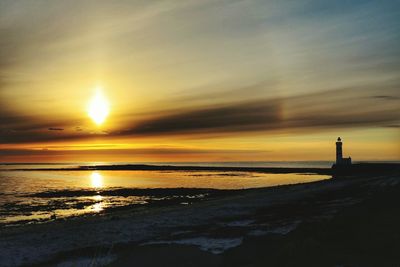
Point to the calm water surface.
(32, 196)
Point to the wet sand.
(338, 222)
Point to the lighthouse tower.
(339, 154)
(339, 151)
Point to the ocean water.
(35, 196)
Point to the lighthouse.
(339, 154)
(339, 151)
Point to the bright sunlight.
(98, 108)
(96, 180)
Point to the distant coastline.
(358, 168)
(143, 167)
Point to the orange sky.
(198, 81)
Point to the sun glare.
(96, 180)
(98, 108)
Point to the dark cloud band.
(340, 108)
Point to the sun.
(98, 108)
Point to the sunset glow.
(98, 108)
(203, 133)
(237, 81)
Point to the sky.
(199, 80)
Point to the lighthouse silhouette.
(339, 154)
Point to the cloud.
(312, 112)
(299, 47)
(307, 112)
(160, 151)
(386, 97)
(23, 128)
(237, 117)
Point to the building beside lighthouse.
(339, 154)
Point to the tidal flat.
(349, 222)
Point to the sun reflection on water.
(98, 198)
(97, 182)
(97, 207)
(96, 179)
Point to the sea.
(29, 194)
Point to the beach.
(34, 194)
(199, 133)
(250, 227)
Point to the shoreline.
(214, 226)
(144, 167)
(336, 170)
(57, 202)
